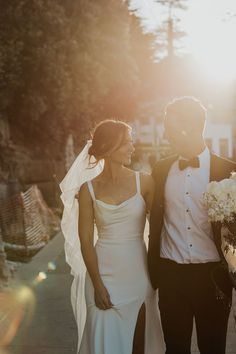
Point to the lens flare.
(52, 266)
(16, 305)
(39, 278)
(42, 276)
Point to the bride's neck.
(112, 171)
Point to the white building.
(219, 136)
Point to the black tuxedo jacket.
(219, 169)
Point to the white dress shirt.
(186, 234)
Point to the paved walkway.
(53, 329)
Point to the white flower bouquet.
(220, 200)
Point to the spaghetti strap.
(138, 186)
(91, 190)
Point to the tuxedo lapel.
(160, 174)
(217, 173)
(220, 168)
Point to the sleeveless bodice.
(122, 263)
(123, 222)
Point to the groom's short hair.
(188, 109)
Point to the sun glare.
(211, 28)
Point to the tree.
(34, 38)
(144, 51)
(169, 33)
(64, 65)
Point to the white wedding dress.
(122, 261)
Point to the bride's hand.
(102, 298)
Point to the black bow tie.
(194, 162)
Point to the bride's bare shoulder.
(147, 182)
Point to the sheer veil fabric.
(82, 170)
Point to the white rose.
(213, 188)
(226, 185)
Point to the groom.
(184, 255)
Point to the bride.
(120, 313)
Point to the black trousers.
(188, 292)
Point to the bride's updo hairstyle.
(107, 137)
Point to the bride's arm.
(86, 235)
